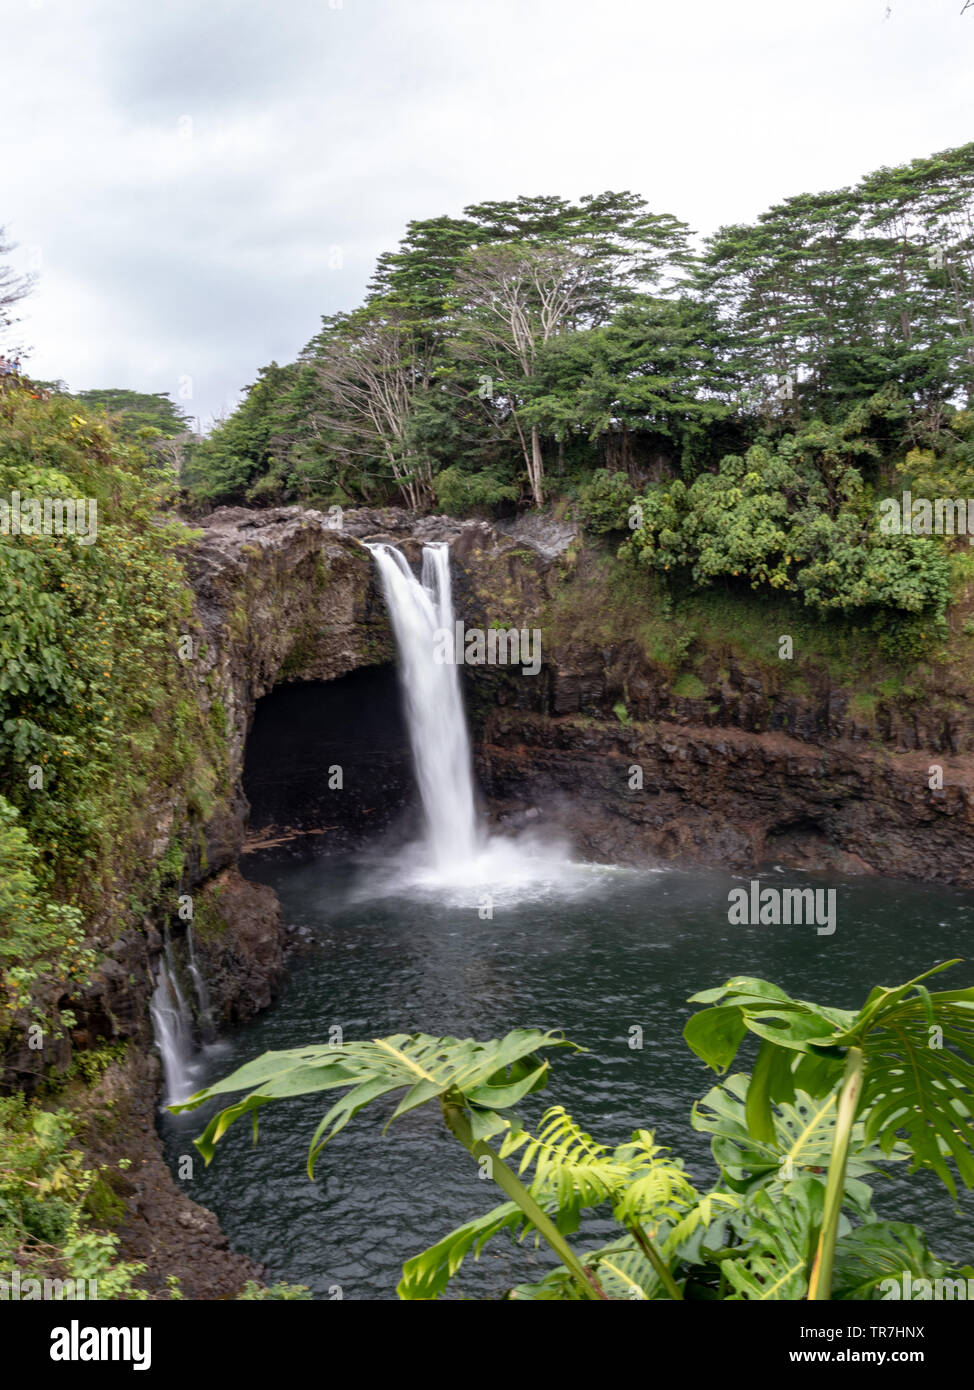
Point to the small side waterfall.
(434, 706)
(202, 993)
(173, 1025)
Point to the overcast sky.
(198, 183)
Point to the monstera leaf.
(778, 1245)
(483, 1079)
(917, 1051)
(804, 1131)
(622, 1269)
(883, 1250)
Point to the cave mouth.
(327, 766)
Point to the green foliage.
(536, 346)
(489, 1076)
(279, 1292)
(603, 505)
(458, 492)
(572, 1173)
(918, 1049)
(242, 449)
(779, 1245)
(792, 1203)
(799, 1146)
(37, 937)
(545, 338)
(839, 291)
(688, 686)
(95, 706)
(883, 1250)
(136, 416)
(46, 1193)
(798, 520)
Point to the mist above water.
(456, 856)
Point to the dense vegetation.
(724, 416)
(98, 716)
(834, 1095)
(89, 639)
(755, 397)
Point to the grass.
(694, 639)
(689, 686)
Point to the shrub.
(604, 504)
(457, 492)
(804, 526)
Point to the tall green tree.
(650, 377)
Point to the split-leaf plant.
(833, 1095)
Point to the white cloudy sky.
(181, 172)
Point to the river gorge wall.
(706, 752)
(743, 769)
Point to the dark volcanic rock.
(161, 1226)
(240, 952)
(736, 766)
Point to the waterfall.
(173, 1025)
(434, 707)
(202, 993)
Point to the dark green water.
(592, 954)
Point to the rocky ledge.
(718, 763)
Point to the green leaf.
(881, 1250)
(715, 1035)
(420, 1065)
(778, 1244)
(800, 1146)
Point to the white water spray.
(172, 1022)
(202, 993)
(434, 707)
(460, 860)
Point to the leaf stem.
(510, 1184)
(820, 1281)
(656, 1260)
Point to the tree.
(13, 287)
(649, 377)
(240, 450)
(517, 298)
(370, 370)
(481, 293)
(831, 297)
(137, 414)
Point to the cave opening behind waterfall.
(327, 765)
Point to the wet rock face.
(161, 1226)
(239, 946)
(737, 768)
(689, 794)
(285, 597)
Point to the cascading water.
(202, 993)
(173, 1025)
(438, 735)
(458, 855)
